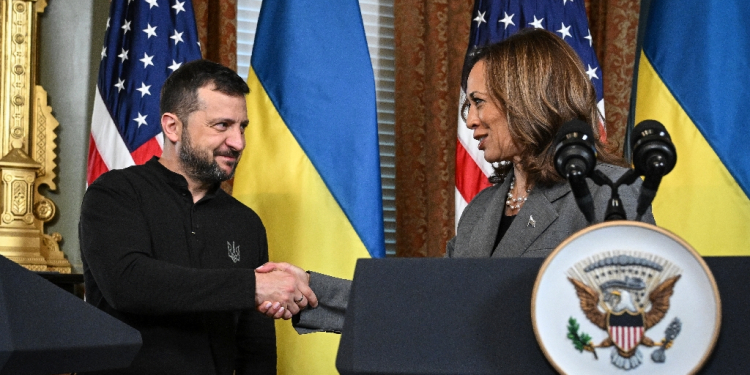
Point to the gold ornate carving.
(51, 251)
(18, 205)
(43, 146)
(44, 210)
(27, 144)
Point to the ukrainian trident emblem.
(625, 294)
(233, 251)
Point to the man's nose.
(236, 139)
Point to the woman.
(518, 94)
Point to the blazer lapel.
(531, 221)
(484, 234)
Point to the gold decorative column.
(26, 144)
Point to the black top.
(505, 222)
(180, 273)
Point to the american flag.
(145, 41)
(495, 20)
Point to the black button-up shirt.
(182, 273)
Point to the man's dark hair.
(179, 95)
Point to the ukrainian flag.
(311, 167)
(694, 77)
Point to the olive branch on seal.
(581, 342)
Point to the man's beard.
(201, 166)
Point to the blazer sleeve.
(333, 297)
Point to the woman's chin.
(490, 159)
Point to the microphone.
(654, 156)
(575, 159)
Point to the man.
(169, 253)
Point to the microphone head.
(653, 151)
(574, 128)
(646, 128)
(574, 148)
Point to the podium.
(473, 316)
(47, 330)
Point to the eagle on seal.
(623, 317)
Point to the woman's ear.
(171, 126)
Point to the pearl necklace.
(515, 203)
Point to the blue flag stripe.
(706, 68)
(319, 76)
(141, 43)
(554, 15)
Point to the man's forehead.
(210, 91)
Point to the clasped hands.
(282, 290)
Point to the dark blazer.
(549, 216)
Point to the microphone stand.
(615, 210)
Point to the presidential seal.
(625, 297)
(624, 294)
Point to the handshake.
(282, 290)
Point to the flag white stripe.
(109, 143)
(160, 138)
(628, 337)
(460, 206)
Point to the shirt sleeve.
(256, 344)
(115, 243)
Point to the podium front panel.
(441, 316)
(473, 316)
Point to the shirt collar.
(176, 180)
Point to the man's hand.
(305, 298)
(281, 288)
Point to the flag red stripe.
(96, 164)
(146, 151)
(627, 337)
(602, 132)
(616, 334)
(470, 179)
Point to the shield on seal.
(626, 330)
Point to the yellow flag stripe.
(305, 225)
(699, 200)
